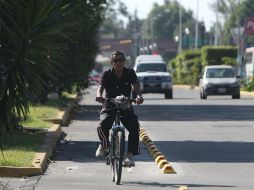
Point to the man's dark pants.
(130, 122)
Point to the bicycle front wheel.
(119, 155)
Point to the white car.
(219, 80)
(153, 75)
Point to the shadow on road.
(207, 151)
(179, 113)
(174, 151)
(156, 184)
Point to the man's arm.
(137, 89)
(139, 99)
(99, 93)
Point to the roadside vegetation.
(46, 46)
(188, 65)
(19, 148)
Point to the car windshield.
(152, 67)
(220, 73)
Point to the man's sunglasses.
(118, 60)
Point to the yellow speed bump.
(147, 140)
(142, 129)
(156, 154)
(162, 163)
(143, 137)
(142, 133)
(183, 188)
(167, 169)
(159, 158)
(151, 146)
(152, 151)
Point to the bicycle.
(115, 154)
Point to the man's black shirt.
(115, 86)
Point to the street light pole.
(187, 33)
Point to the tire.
(111, 159)
(112, 169)
(119, 157)
(203, 95)
(236, 96)
(169, 94)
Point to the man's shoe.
(128, 161)
(100, 151)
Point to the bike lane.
(76, 167)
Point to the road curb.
(164, 165)
(247, 93)
(185, 86)
(39, 164)
(197, 87)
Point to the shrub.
(214, 55)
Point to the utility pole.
(180, 28)
(196, 29)
(216, 26)
(239, 45)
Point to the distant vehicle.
(219, 80)
(94, 77)
(249, 63)
(153, 75)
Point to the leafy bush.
(214, 55)
(248, 85)
(229, 61)
(186, 67)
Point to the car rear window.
(158, 67)
(220, 73)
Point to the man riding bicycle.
(117, 81)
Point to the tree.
(38, 39)
(164, 20)
(113, 27)
(234, 12)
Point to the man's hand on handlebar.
(139, 100)
(99, 99)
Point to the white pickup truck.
(153, 75)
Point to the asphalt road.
(209, 143)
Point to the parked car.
(153, 75)
(219, 80)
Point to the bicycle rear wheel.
(119, 156)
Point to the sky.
(205, 13)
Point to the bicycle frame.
(116, 152)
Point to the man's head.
(117, 56)
(118, 59)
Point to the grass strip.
(20, 147)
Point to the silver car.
(219, 80)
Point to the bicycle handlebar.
(119, 99)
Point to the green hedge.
(186, 67)
(218, 55)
